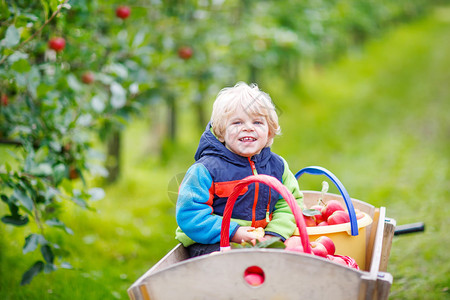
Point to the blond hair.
(247, 97)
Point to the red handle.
(279, 187)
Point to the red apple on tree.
(4, 100)
(318, 249)
(328, 243)
(123, 12)
(57, 43)
(330, 207)
(87, 77)
(185, 52)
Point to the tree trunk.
(113, 159)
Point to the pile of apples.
(323, 246)
(329, 213)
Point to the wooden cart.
(287, 275)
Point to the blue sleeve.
(194, 212)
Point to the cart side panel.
(287, 276)
(176, 255)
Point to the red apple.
(328, 243)
(318, 249)
(123, 12)
(310, 221)
(323, 223)
(254, 279)
(359, 214)
(57, 43)
(337, 260)
(330, 207)
(185, 52)
(338, 217)
(319, 218)
(87, 77)
(4, 100)
(294, 243)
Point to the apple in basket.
(330, 207)
(328, 243)
(318, 249)
(294, 243)
(337, 260)
(338, 217)
(319, 218)
(310, 221)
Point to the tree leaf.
(31, 243)
(12, 37)
(47, 253)
(118, 95)
(96, 194)
(21, 66)
(58, 224)
(15, 220)
(311, 212)
(24, 199)
(48, 268)
(33, 271)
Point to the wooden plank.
(288, 275)
(388, 234)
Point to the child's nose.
(248, 126)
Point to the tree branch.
(56, 12)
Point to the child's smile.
(245, 134)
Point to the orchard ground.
(377, 119)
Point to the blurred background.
(103, 104)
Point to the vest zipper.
(255, 200)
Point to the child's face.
(246, 134)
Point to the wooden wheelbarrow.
(287, 275)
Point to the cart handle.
(315, 170)
(284, 192)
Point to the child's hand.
(244, 233)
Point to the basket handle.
(314, 170)
(284, 192)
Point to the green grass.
(378, 119)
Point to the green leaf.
(66, 265)
(118, 95)
(58, 224)
(41, 154)
(15, 220)
(12, 37)
(47, 253)
(31, 243)
(43, 169)
(311, 212)
(33, 271)
(21, 66)
(24, 199)
(96, 194)
(274, 242)
(48, 268)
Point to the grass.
(378, 119)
